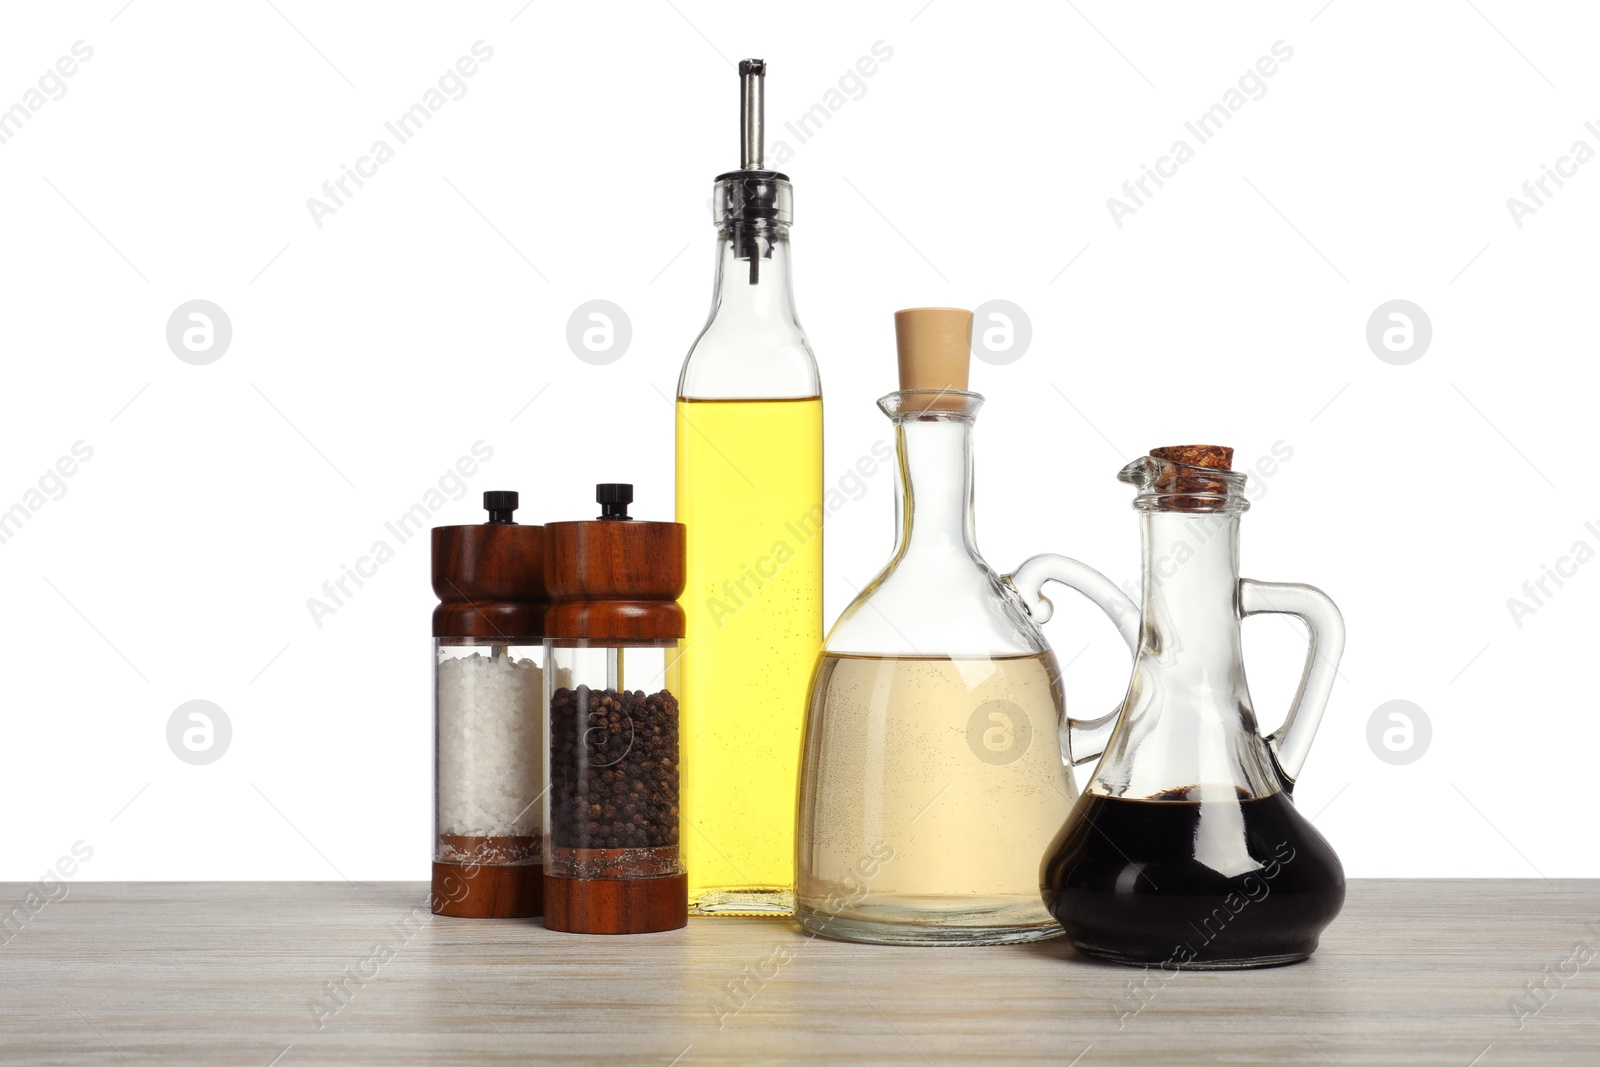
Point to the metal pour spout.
(755, 204)
(752, 113)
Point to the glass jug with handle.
(935, 766)
(1186, 849)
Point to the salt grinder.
(489, 659)
(612, 861)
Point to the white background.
(425, 315)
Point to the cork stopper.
(935, 351)
(1181, 481)
(1216, 457)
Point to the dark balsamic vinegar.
(1133, 881)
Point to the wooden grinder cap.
(489, 577)
(935, 352)
(615, 578)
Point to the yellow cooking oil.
(750, 494)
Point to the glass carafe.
(935, 767)
(1185, 849)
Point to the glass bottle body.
(933, 840)
(749, 491)
(1186, 848)
(934, 769)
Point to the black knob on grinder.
(614, 498)
(500, 503)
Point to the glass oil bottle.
(749, 491)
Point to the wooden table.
(289, 972)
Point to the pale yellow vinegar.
(933, 787)
(750, 493)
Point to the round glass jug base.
(1243, 964)
(923, 932)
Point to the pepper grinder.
(488, 636)
(612, 861)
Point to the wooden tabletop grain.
(1458, 973)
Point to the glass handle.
(1292, 741)
(1086, 738)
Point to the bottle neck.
(1190, 617)
(935, 482)
(1188, 730)
(753, 274)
